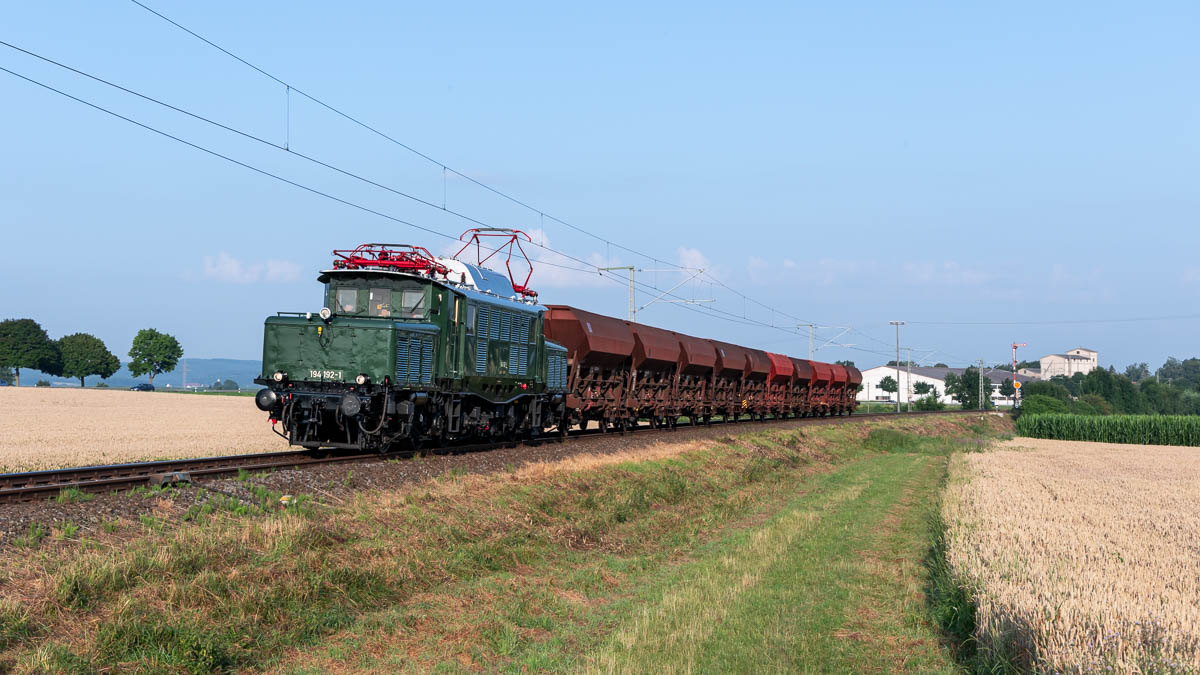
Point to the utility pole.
(908, 389)
(1017, 393)
(981, 384)
(897, 324)
(632, 289)
(810, 338)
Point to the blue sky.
(844, 164)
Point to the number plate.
(325, 374)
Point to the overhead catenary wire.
(1057, 322)
(587, 267)
(382, 134)
(542, 215)
(242, 164)
(721, 314)
(258, 139)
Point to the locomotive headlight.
(326, 313)
(350, 405)
(362, 379)
(279, 376)
(266, 400)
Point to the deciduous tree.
(1137, 371)
(84, 355)
(1007, 389)
(24, 344)
(965, 389)
(1185, 373)
(154, 353)
(889, 384)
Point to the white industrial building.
(934, 376)
(1078, 360)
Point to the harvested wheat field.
(1083, 556)
(42, 428)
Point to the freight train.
(416, 351)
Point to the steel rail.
(32, 486)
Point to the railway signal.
(1017, 385)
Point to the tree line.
(1174, 389)
(25, 344)
(964, 389)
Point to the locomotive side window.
(412, 303)
(381, 302)
(470, 318)
(347, 300)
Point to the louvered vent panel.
(426, 360)
(495, 332)
(559, 380)
(481, 346)
(401, 359)
(482, 329)
(414, 359)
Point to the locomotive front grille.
(414, 359)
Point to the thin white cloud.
(946, 273)
(1190, 275)
(820, 272)
(555, 270)
(281, 271)
(227, 269)
(693, 258)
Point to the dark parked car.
(142, 387)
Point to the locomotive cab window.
(347, 300)
(381, 302)
(412, 303)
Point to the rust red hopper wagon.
(622, 371)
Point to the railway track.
(32, 486)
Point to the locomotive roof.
(482, 284)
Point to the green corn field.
(1140, 429)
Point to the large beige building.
(1078, 360)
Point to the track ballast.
(33, 486)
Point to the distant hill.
(202, 372)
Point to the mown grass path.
(831, 584)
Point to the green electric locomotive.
(410, 349)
